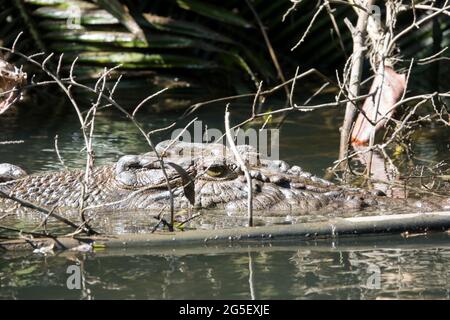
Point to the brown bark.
(359, 36)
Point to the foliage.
(185, 44)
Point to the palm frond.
(215, 45)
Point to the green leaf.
(62, 3)
(179, 226)
(67, 47)
(187, 181)
(213, 12)
(44, 2)
(135, 60)
(26, 271)
(88, 17)
(236, 59)
(183, 27)
(121, 12)
(122, 39)
(99, 247)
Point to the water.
(115, 136)
(416, 268)
(409, 268)
(308, 139)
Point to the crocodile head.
(208, 176)
(199, 176)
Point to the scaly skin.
(137, 182)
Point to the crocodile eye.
(216, 171)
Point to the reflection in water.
(250, 277)
(303, 271)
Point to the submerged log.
(340, 227)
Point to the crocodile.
(199, 176)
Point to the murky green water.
(383, 268)
(408, 268)
(116, 136)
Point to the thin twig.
(243, 166)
